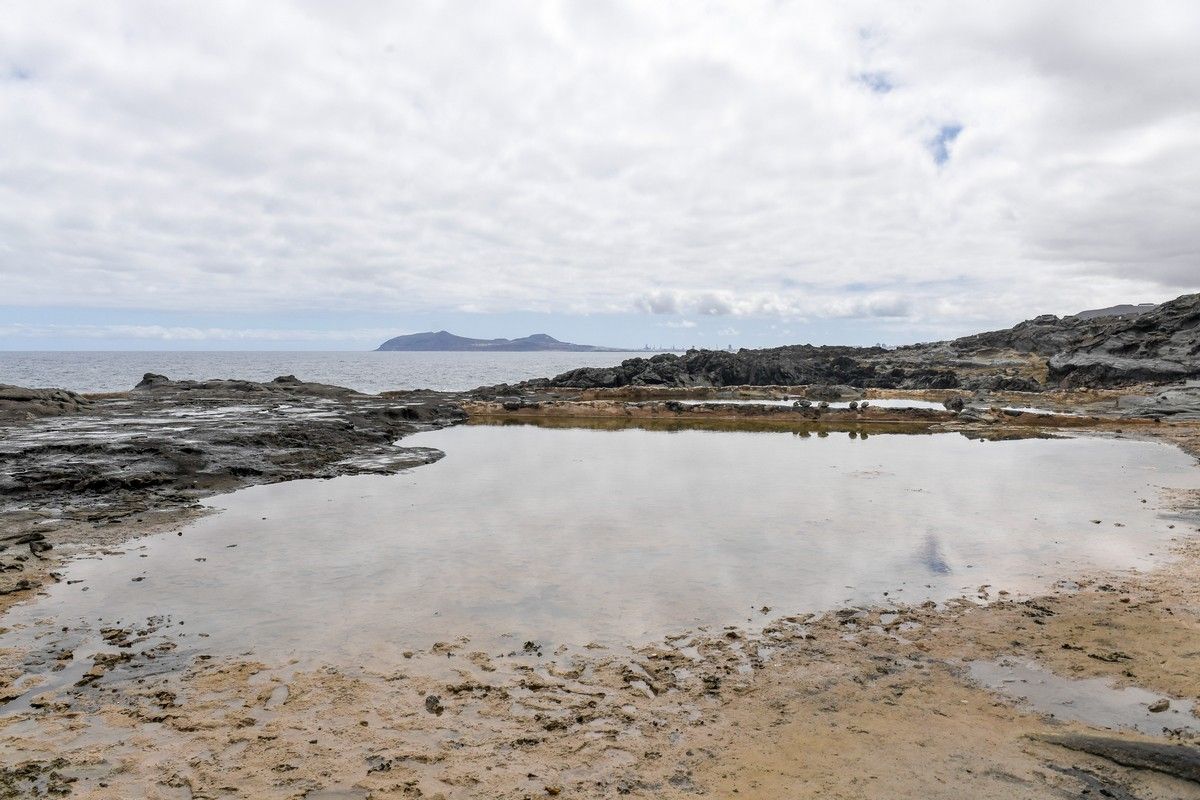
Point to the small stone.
(1158, 706)
(433, 704)
(42, 700)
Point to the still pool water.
(888, 402)
(881, 402)
(571, 536)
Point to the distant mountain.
(1116, 311)
(446, 341)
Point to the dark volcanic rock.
(172, 442)
(1176, 402)
(1001, 383)
(781, 366)
(17, 402)
(1159, 345)
(283, 385)
(1178, 760)
(1156, 346)
(152, 379)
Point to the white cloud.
(801, 305)
(736, 159)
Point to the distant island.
(446, 341)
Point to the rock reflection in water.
(931, 556)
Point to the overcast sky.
(313, 174)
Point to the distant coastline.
(444, 341)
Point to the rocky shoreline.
(881, 701)
(1157, 346)
(78, 471)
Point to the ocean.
(372, 372)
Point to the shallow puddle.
(568, 536)
(890, 402)
(1093, 701)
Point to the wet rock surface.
(1175, 402)
(1177, 760)
(20, 403)
(1159, 346)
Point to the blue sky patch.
(939, 145)
(877, 82)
